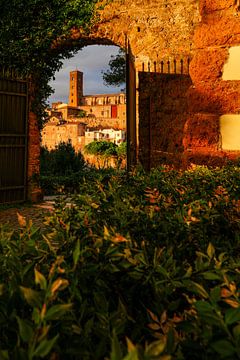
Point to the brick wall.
(33, 162)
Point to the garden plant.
(139, 267)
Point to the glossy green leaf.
(215, 294)
(156, 348)
(25, 330)
(232, 316)
(210, 250)
(76, 253)
(116, 353)
(236, 331)
(207, 313)
(40, 279)
(132, 351)
(208, 275)
(224, 348)
(198, 289)
(45, 347)
(57, 311)
(32, 297)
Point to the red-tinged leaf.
(232, 303)
(153, 316)
(154, 326)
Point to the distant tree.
(116, 74)
(60, 161)
(103, 148)
(122, 150)
(81, 113)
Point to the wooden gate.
(131, 109)
(163, 112)
(13, 137)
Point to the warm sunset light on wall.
(231, 69)
(230, 131)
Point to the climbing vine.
(29, 33)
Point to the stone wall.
(106, 123)
(212, 96)
(33, 162)
(154, 27)
(163, 112)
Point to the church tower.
(75, 88)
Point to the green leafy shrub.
(63, 160)
(122, 150)
(61, 169)
(103, 148)
(141, 267)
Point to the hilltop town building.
(85, 118)
(98, 107)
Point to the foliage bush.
(139, 267)
(61, 169)
(103, 148)
(36, 31)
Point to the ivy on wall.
(29, 31)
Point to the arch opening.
(84, 109)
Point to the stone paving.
(35, 212)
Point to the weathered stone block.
(220, 31)
(219, 98)
(202, 131)
(207, 65)
(209, 6)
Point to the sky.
(91, 60)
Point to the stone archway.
(155, 30)
(203, 30)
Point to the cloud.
(91, 60)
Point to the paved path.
(36, 213)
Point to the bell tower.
(75, 88)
